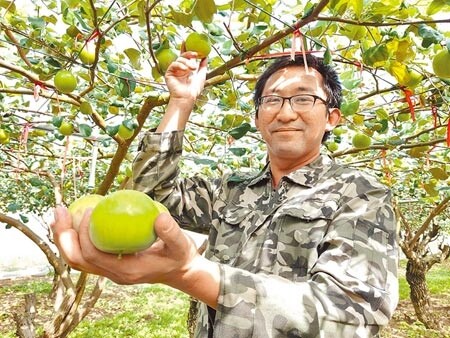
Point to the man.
(304, 248)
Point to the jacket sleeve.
(351, 291)
(156, 172)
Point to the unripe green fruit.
(4, 136)
(66, 128)
(65, 81)
(199, 43)
(87, 54)
(403, 117)
(86, 108)
(123, 222)
(361, 140)
(165, 57)
(124, 132)
(338, 131)
(78, 208)
(441, 64)
(332, 146)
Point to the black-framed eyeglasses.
(302, 103)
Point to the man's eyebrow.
(301, 89)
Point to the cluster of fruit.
(195, 42)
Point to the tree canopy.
(72, 142)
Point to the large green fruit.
(79, 207)
(198, 42)
(65, 81)
(441, 64)
(123, 222)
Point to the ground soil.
(402, 324)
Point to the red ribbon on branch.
(38, 86)
(408, 96)
(23, 140)
(434, 112)
(95, 34)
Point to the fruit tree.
(65, 136)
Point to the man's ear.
(256, 122)
(334, 117)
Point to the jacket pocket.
(300, 231)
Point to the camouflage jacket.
(315, 257)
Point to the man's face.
(295, 136)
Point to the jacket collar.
(307, 176)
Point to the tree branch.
(380, 24)
(267, 42)
(436, 211)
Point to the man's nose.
(286, 112)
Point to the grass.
(153, 311)
(157, 311)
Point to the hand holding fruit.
(166, 261)
(185, 77)
(121, 223)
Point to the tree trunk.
(24, 322)
(420, 298)
(192, 316)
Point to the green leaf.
(240, 131)
(357, 6)
(232, 121)
(36, 23)
(238, 151)
(376, 56)
(35, 181)
(53, 62)
(57, 120)
(112, 67)
(85, 130)
(112, 130)
(81, 21)
(130, 124)
(436, 5)
(350, 84)
(204, 10)
(8, 4)
(13, 207)
(429, 35)
(24, 218)
(327, 57)
(181, 18)
(350, 106)
(134, 56)
(126, 84)
(206, 161)
(141, 12)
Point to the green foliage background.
(383, 52)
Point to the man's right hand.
(185, 77)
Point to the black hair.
(331, 82)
